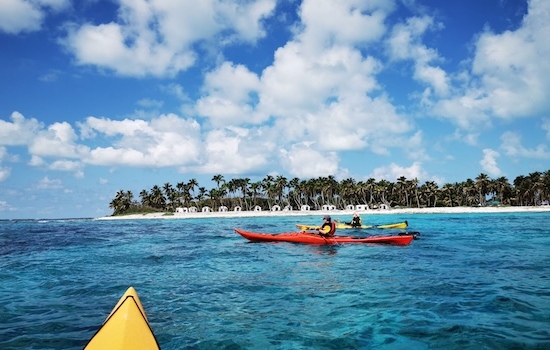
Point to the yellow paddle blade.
(398, 225)
(302, 227)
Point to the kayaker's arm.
(323, 230)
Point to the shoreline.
(265, 213)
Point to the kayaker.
(328, 228)
(355, 221)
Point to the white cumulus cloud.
(508, 75)
(513, 147)
(158, 38)
(489, 162)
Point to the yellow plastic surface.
(126, 327)
(341, 226)
(398, 225)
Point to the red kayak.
(403, 238)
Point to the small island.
(279, 196)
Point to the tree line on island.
(530, 190)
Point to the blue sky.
(101, 96)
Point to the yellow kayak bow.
(125, 328)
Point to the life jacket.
(356, 221)
(329, 229)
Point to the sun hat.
(327, 217)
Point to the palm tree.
(255, 187)
(300, 195)
(402, 191)
(311, 193)
(232, 186)
(127, 201)
(120, 203)
(280, 186)
(503, 190)
(145, 198)
(218, 179)
(294, 193)
(269, 187)
(545, 181)
(157, 198)
(203, 192)
(482, 185)
(362, 191)
(381, 189)
(414, 187)
(214, 196)
(448, 191)
(191, 184)
(181, 193)
(371, 189)
(242, 184)
(169, 195)
(348, 191)
(429, 191)
(537, 186)
(469, 195)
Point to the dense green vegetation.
(533, 189)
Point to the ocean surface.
(471, 281)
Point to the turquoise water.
(472, 281)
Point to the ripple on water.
(469, 282)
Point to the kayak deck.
(344, 226)
(312, 238)
(126, 327)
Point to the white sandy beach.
(336, 213)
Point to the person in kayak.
(328, 228)
(355, 221)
